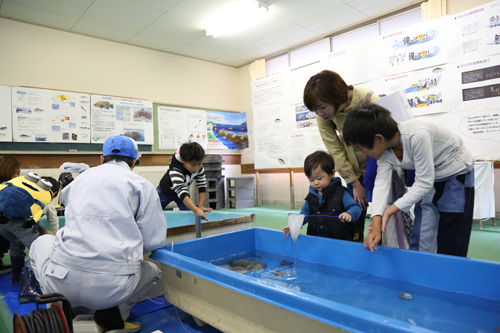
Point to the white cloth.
(434, 152)
(113, 217)
(484, 196)
(52, 218)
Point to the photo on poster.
(227, 130)
(304, 118)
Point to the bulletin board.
(215, 130)
(447, 70)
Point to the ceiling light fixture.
(238, 16)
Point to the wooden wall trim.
(55, 160)
(250, 169)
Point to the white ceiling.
(175, 26)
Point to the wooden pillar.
(257, 188)
(292, 194)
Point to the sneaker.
(4, 269)
(128, 328)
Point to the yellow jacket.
(349, 161)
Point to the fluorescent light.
(240, 15)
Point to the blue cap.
(121, 145)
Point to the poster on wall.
(40, 115)
(118, 115)
(355, 64)
(272, 152)
(426, 91)
(180, 125)
(475, 32)
(270, 120)
(480, 132)
(476, 84)
(305, 120)
(419, 46)
(5, 114)
(297, 78)
(268, 89)
(302, 145)
(227, 130)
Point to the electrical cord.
(43, 321)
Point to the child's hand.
(286, 231)
(205, 209)
(200, 213)
(344, 217)
(369, 226)
(371, 240)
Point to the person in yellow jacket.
(327, 95)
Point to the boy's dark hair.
(327, 86)
(192, 151)
(364, 122)
(55, 185)
(118, 158)
(321, 158)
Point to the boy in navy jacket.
(327, 196)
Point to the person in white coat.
(113, 217)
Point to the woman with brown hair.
(10, 168)
(327, 95)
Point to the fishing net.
(295, 222)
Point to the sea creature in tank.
(286, 263)
(104, 105)
(245, 265)
(279, 273)
(405, 296)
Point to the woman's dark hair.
(327, 86)
(9, 167)
(192, 152)
(321, 158)
(364, 122)
(118, 158)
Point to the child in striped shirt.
(185, 167)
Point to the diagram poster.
(302, 145)
(227, 130)
(426, 91)
(480, 131)
(272, 152)
(268, 89)
(419, 46)
(270, 120)
(180, 125)
(476, 84)
(475, 32)
(40, 115)
(5, 114)
(118, 115)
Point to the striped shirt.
(177, 179)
